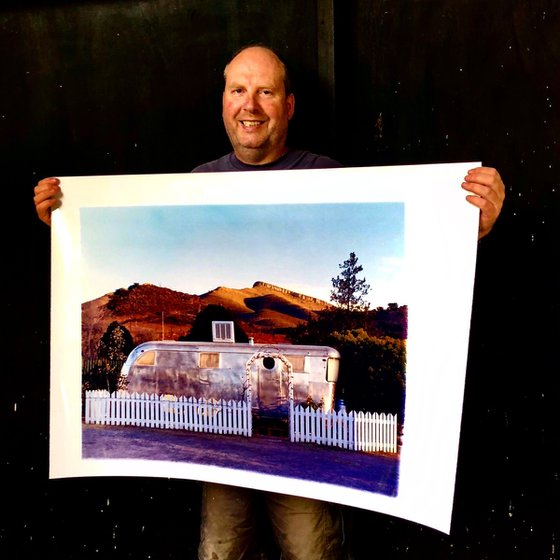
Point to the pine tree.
(349, 291)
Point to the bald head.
(265, 52)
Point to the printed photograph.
(266, 338)
(298, 330)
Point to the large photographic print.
(304, 330)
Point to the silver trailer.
(267, 376)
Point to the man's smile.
(251, 124)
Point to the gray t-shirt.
(292, 159)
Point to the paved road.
(273, 455)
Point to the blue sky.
(194, 249)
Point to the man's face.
(255, 107)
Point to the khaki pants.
(304, 529)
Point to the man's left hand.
(488, 193)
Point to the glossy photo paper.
(301, 330)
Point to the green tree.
(372, 371)
(390, 321)
(104, 370)
(348, 290)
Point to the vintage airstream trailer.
(268, 375)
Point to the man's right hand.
(47, 198)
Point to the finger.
(477, 191)
(487, 176)
(485, 182)
(48, 184)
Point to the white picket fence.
(356, 431)
(359, 431)
(168, 411)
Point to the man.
(257, 106)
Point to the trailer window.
(147, 358)
(269, 362)
(209, 360)
(298, 363)
(332, 369)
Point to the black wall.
(134, 87)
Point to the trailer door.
(271, 383)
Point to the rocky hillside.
(150, 312)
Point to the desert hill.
(150, 312)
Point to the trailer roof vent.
(222, 331)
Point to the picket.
(359, 431)
(167, 411)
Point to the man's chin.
(253, 155)
(252, 143)
(253, 146)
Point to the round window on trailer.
(269, 362)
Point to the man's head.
(257, 105)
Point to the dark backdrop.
(104, 87)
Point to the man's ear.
(291, 103)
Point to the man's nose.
(251, 102)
